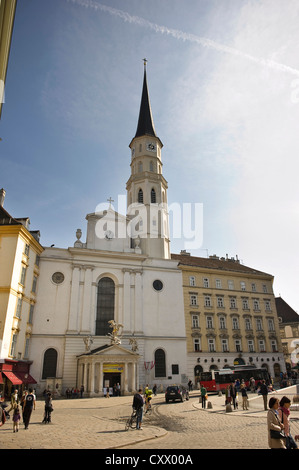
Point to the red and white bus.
(219, 380)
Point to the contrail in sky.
(177, 34)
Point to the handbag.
(277, 434)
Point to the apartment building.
(230, 316)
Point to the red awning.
(12, 377)
(1, 378)
(26, 378)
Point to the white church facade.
(110, 310)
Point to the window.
(253, 287)
(243, 285)
(153, 196)
(37, 260)
(19, 308)
(245, 304)
(224, 345)
(26, 353)
(238, 345)
(233, 302)
(50, 363)
(265, 290)
(205, 282)
(235, 323)
(140, 167)
(160, 363)
(23, 275)
(34, 284)
(26, 251)
(218, 283)
(220, 302)
(259, 324)
(271, 324)
(256, 304)
(13, 345)
(175, 369)
(140, 196)
(209, 322)
(208, 301)
(151, 166)
(273, 345)
(193, 299)
(262, 345)
(195, 321)
(222, 323)
(196, 343)
(105, 306)
(268, 305)
(231, 285)
(248, 324)
(191, 281)
(211, 345)
(250, 345)
(30, 320)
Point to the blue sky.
(223, 79)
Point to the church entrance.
(111, 380)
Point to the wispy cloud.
(181, 35)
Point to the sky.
(223, 79)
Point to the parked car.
(175, 392)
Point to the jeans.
(139, 413)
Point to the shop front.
(14, 375)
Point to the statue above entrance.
(115, 336)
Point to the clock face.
(109, 235)
(151, 146)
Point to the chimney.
(2, 196)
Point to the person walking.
(244, 397)
(264, 393)
(28, 406)
(14, 400)
(138, 402)
(284, 416)
(16, 418)
(276, 439)
(203, 393)
(233, 394)
(48, 408)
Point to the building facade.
(20, 252)
(289, 332)
(230, 316)
(121, 278)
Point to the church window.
(140, 196)
(151, 166)
(140, 167)
(160, 363)
(105, 306)
(153, 196)
(50, 363)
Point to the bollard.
(210, 406)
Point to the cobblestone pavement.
(99, 423)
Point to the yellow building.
(289, 332)
(7, 16)
(19, 270)
(230, 316)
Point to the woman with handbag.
(276, 437)
(284, 415)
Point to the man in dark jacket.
(138, 403)
(264, 393)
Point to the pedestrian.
(29, 405)
(233, 394)
(204, 396)
(264, 393)
(81, 391)
(138, 402)
(155, 389)
(16, 418)
(244, 397)
(284, 415)
(276, 439)
(118, 389)
(14, 400)
(48, 408)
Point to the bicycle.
(149, 408)
(132, 421)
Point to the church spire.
(145, 122)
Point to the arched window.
(160, 363)
(105, 306)
(153, 196)
(140, 196)
(50, 363)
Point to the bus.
(219, 380)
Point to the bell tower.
(146, 187)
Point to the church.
(110, 309)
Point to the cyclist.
(148, 397)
